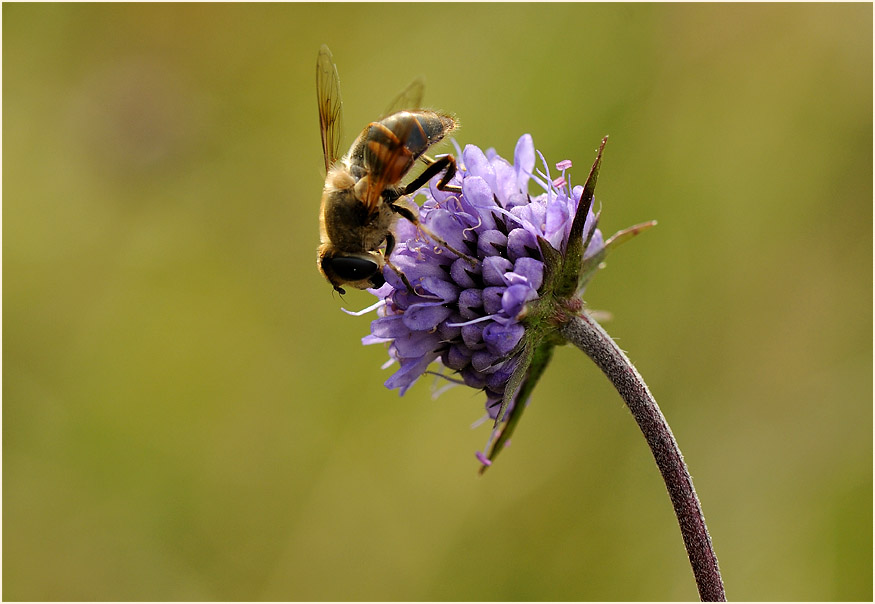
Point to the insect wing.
(409, 98)
(387, 155)
(330, 105)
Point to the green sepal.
(593, 263)
(627, 233)
(568, 277)
(539, 361)
(515, 382)
(552, 267)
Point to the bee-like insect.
(361, 189)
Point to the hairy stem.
(589, 336)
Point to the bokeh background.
(187, 413)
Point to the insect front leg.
(390, 245)
(410, 216)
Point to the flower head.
(488, 315)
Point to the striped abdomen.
(387, 149)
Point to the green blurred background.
(187, 414)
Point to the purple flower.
(484, 285)
(471, 314)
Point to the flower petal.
(506, 184)
(447, 333)
(372, 339)
(531, 269)
(417, 344)
(464, 274)
(472, 336)
(389, 327)
(457, 357)
(408, 373)
(492, 299)
(472, 377)
(493, 269)
(425, 317)
(501, 339)
(440, 287)
(596, 244)
(515, 297)
(478, 164)
(524, 160)
(478, 194)
(521, 243)
(497, 379)
(471, 303)
(492, 243)
(483, 360)
(446, 225)
(557, 219)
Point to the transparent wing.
(386, 152)
(330, 105)
(409, 98)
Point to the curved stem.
(589, 336)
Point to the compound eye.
(353, 269)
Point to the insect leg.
(402, 275)
(390, 245)
(444, 185)
(410, 216)
(435, 166)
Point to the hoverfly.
(359, 208)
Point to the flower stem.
(585, 333)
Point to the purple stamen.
(483, 459)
